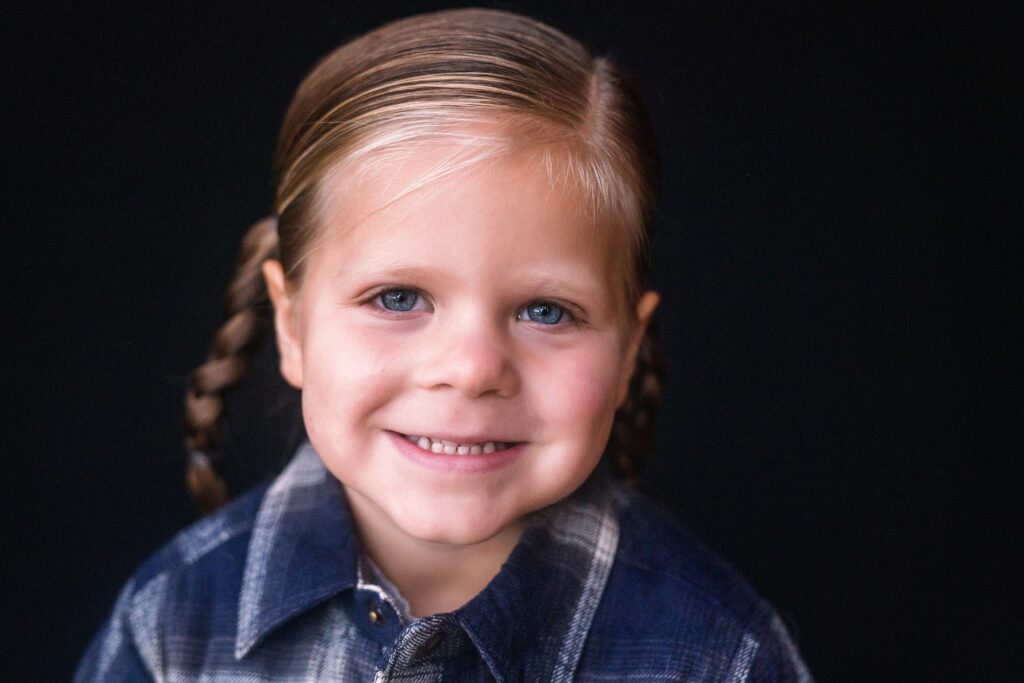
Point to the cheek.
(348, 374)
(579, 391)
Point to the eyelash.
(375, 299)
(571, 313)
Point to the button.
(376, 616)
(430, 644)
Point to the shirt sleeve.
(112, 655)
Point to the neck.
(432, 577)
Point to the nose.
(474, 359)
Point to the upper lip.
(463, 438)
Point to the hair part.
(432, 75)
(492, 81)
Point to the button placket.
(418, 652)
(429, 645)
(374, 613)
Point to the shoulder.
(657, 551)
(207, 546)
(675, 608)
(186, 590)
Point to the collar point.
(243, 646)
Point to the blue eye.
(543, 312)
(400, 300)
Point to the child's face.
(483, 309)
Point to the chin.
(467, 529)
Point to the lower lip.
(458, 464)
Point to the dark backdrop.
(839, 308)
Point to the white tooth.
(449, 450)
(488, 447)
(475, 450)
(436, 447)
(449, 443)
(423, 443)
(463, 450)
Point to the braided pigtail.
(228, 359)
(634, 422)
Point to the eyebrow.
(575, 287)
(397, 273)
(572, 287)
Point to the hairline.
(563, 152)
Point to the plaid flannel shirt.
(600, 588)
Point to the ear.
(645, 306)
(289, 340)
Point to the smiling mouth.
(433, 445)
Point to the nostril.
(476, 377)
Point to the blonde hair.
(435, 76)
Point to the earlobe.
(645, 307)
(289, 343)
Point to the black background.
(840, 307)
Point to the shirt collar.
(538, 608)
(537, 611)
(302, 551)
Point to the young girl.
(457, 266)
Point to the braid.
(228, 359)
(634, 422)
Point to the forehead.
(446, 197)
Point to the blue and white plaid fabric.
(600, 588)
